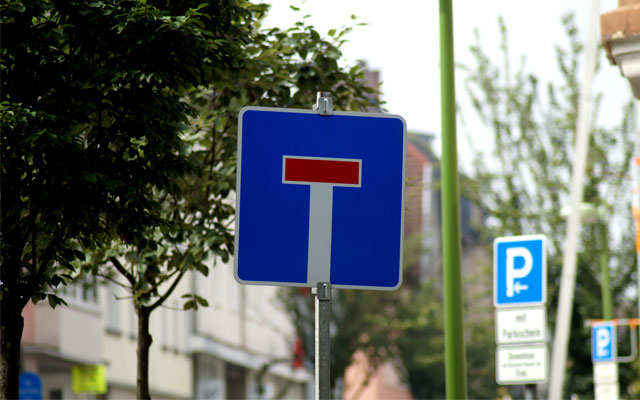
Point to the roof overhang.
(620, 31)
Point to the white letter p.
(512, 272)
(603, 339)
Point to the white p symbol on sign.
(514, 273)
(603, 339)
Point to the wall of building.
(56, 339)
(244, 331)
(216, 352)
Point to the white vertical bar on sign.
(320, 216)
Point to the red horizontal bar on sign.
(321, 171)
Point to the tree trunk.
(144, 343)
(11, 336)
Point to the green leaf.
(202, 301)
(80, 255)
(55, 300)
(191, 304)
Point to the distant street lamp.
(590, 214)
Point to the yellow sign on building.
(89, 379)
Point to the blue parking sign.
(519, 271)
(30, 386)
(319, 198)
(603, 341)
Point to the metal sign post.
(454, 350)
(323, 340)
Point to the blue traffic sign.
(519, 271)
(30, 386)
(319, 198)
(603, 341)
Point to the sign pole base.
(530, 392)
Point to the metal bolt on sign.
(324, 103)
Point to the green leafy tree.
(93, 113)
(419, 343)
(524, 181)
(119, 124)
(279, 68)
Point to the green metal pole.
(455, 369)
(607, 303)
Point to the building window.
(176, 324)
(133, 323)
(82, 292)
(113, 309)
(164, 327)
(216, 292)
(255, 300)
(233, 294)
(209, 378)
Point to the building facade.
(239, 347)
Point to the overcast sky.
(401, 40)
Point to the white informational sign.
(523, 325)
(607, 391)
(605, 372)
(520, 365)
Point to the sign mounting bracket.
(324, 104)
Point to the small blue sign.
(30, 387)
(319, 198)
(519, 271)
(603, 342)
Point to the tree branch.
(166, 294)
(47, 256)
(116, 263)
(110, 279)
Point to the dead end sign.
(319, 198)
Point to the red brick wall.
(413, 192)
